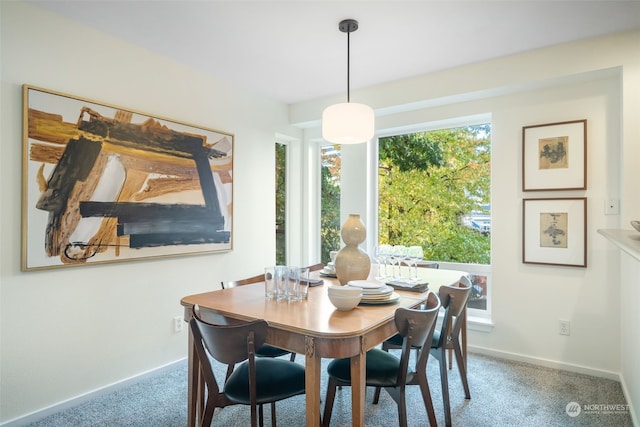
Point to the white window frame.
(479, 320)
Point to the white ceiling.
(293, 50)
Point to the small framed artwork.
(554, 231)
(554, 156)
(106, 184)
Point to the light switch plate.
(611, 207)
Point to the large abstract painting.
(106, 184)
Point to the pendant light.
(348, 122)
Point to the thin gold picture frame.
(104, 184)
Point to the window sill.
(479, 324)
(474, 323)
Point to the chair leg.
(273, 414)
(398, 395)
(328, 404)
(402, 408)
(444, 381)
(428, 403)
(462, 368)
(207, 416)
(200, 405)
(254, 415)
(376, 395)
(230, 369)
(293, 357)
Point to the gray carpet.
(503, 393)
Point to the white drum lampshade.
(348, 123)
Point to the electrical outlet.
(564, 327)
(178, 324)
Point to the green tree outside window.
(428, 182)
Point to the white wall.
(529, 300)
(630, 319)
(70, 331)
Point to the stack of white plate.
(374, 292)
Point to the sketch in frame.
(553, 152)
(554, 156)
(554, 231)
(106, 184)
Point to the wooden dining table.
(313, 328)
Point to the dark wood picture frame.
(554, 231)
(554, 156)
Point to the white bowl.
(344, 301)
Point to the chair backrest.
(415, 324)
(242, 282)
(428, 264)
(316, 267)
(229, 344)
(416, 327)
(454, 299)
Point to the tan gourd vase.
(352, 263)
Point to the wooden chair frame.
(416, 327)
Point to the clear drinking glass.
(302, 275)
(293, 284)
(281, 279)
(269, 283)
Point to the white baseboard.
(627, 395)
(554, 364)
(78, 400)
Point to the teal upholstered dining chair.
(255, 381)
(454, 301)
(385, 370)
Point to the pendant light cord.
(348, 65)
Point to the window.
(434, 191)
(281, 204)
(329, 200)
